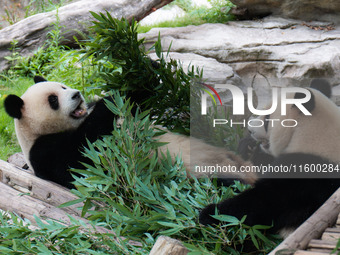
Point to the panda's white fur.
(37, 118)
(204, 155)
(51, 136)
(317, 134)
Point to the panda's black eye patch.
(53, 101)
(63, 87)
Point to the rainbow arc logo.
(209, 93)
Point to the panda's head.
(318, 134)
(45, 108)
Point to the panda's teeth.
(79, 112)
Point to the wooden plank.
(46, 191)
(333, 230)
(322, 244)
(168, 246)
(309, 253)
(330, 236)
(314, 226)
(325, 251)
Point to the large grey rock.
(260, 54)
(272, 48)
(300, 9)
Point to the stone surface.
(263, 53)
(273, 47)
(300, 9)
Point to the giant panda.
(285, 203)
(52, 123)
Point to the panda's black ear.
(310, 105)
(13, 105)
(323, 86)
(38, 79)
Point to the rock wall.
(299, 9)
(276, 51)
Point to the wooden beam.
(314, 226)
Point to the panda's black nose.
(76, 95)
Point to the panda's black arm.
(52, 155)
(98, 123)
(284, 202)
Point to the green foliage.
(13, 12)
(56, 62)
(141, 194)
(41, 62)
(8, 140)
(38, 6)
(19, 237)
(131, 188)
(336, 250)
(218, 13)
(160, 85)
(201, 125)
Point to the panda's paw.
(205, 217)
(247, 147)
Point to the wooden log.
(313, 227)
(26, 206)
(29, 205)
(74, 20)
(45, 191)
(168, 246)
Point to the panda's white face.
(45, 108)
(51, 107)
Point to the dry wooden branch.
(312, 228)
(74, 19)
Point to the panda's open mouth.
(80, 111)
